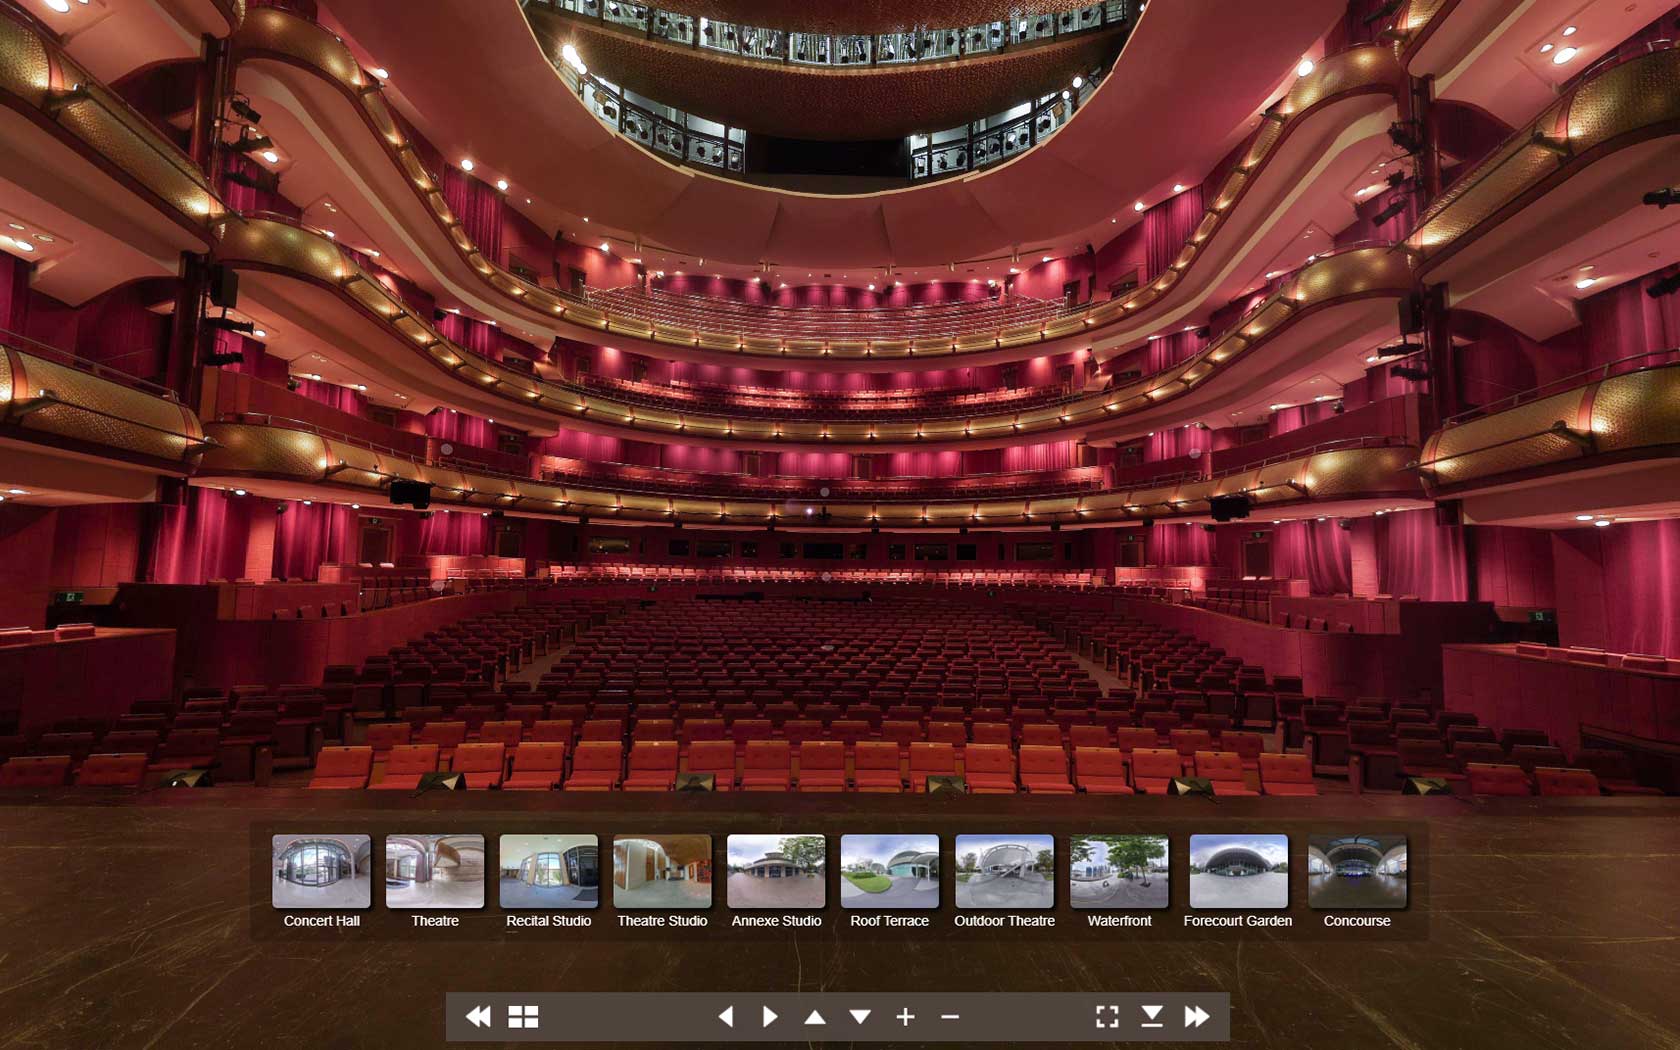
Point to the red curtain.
(1513, 566)
(1054, 455)
(334, 396)
(452, 532)
(306, 536)
(1615, 587)
(1623, 321)
(1171, 349)
(462, 428)
(1418, 558)
(206, 538)
(1316, 551)
(1181, 545)
(120, 330)
(1175, 442)
(478, 206)
(1167, 226)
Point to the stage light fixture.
(1667, 286)
(1662, 198)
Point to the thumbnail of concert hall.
(1020, 523)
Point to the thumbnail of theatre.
(434, 871)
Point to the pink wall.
(26, 558)
(1615, 587)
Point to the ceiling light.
(16, 492)
(373, 253)
(466, 164)
(258, 333)
(15, 226)
(1178, 187)
(271, 156)
(605, 246)
(1078, 82)
(239, 492)
(1045, 259)
(501, 184)
(1586, 282)
(1325, 397)
(22, 246)
(586, 218)
(381, 72)
(573, 59)
(1278, 408)
(330, 235)
(1546, 47)
(1137, 205)
(1602, 522)
(1304, 68)
(308, 503)
(355, 506)
(1583, 517)
(1564, 55)
(61, 6)
(1568, 30)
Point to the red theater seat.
(537, 766)
(1154, 768)
(597, 765)
(875, 766)
(482, 765)
(1614, 770)
(931, 760)
(1554, 782)
(114, 771)
(507, 734)
(822, 765)
(446, 735)
(1101, 770)
(989, 769)
(716, 757)
(1044, 770)
(407, 764)
(1225, 770)
(1286, 775)
(187, 749)
(383, 736)
(342, 767)
(653, 766)
(767, 766)
(1489, 779)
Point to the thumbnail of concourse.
(1356, 871)
(662, 871)
(1239, 871)
(1015, 871)
(778, 871)
(889, 871)
(550, 871)
(1118, 871)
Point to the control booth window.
(825, 551)
(857, 551)
(749, 548)
(789, 550)
(968, 552)
(608, 545)
(715, 548)
(677, 548)
(933, 552)
(895, 552)
(1035, 552)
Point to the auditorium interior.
(584, 421)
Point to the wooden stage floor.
(145, 922)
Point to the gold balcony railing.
(279, 36)
(297, 252)
(257, 451)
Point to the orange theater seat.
(931, 760)
(537, 766)
(112, 771)
(768, 766)
(1225, 769)
(653, 766)
(407, 764)
(1101, 770)
(875, 766)
(1554, 782)
(1044, 770)
(822, 765)
(716, 757)
(1153, 768)
(481, 765)
(597, 765)
(343, 767)
(1487, 778)
(446, 735)
(504, 733)
(1286, 775)
(35, 771)
(383, 736)
(990, 769)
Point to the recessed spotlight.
(1305, 67)
(355, 506)
(466, 164)
(1137, 205)
(1546, 48)
(61, 6)
(1583, 517)
(586, 218)
(16, 492)
(373, 253)
(1565, 54)
(502, 184)
(308, 503)
(605, 246)
(15, 226)
(381, 72)
(1568, 30)
(330, 235)
(271, 156)
(1078, 82)
(258, 333)
(239, 492)
(1045, 259)
(22, 246)
(1178, 187)
(1586, 282)
(1602, 523)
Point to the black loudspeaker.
(1344, 524)
(1148, 523)
(224, 287)
(1230, 508)
(947, 785)
(441, 781)
(1208, 528)
(1425, 786)
(696, 782)
(186, 778)
(1190, 786)
(1411, 314)
(417, 494)
(1448, 513)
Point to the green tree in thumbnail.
(807, 851)
(970, 862)
(1046, 861)
(1125, 852)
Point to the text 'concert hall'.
(972, 523)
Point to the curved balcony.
(1315, 305)
(297, 463)
(1370, 73)
(788, 404)
(626, 477)
(51, 399)
(59, 98)
(1487, 218)
(1611, 416)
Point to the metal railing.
(1573, 381)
